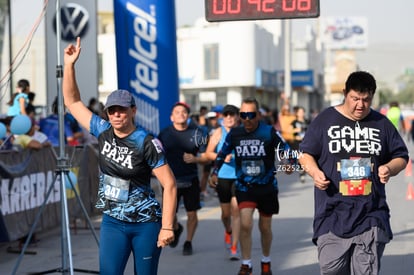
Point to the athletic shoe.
(266, 269)
(245, 270)
(177, 233)
(234, 254)
(227, 240)
(187, 248)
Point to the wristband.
(168, 229)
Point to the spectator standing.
(76, 129)
(394, 114)
(30, 108)
(202, 120)
(266, 115)
(257, 147)
(50, 127)
(93, 105)
(351, 151)
(133, 220)
(183, 142)
(20, 99)
(299, 126)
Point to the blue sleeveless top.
(228, 170)
(14, 109)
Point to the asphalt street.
(292, 250)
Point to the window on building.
(211, 61)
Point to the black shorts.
(264, 197)
(226, 189)
(191, 196)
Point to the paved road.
(292, 250)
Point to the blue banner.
(302, 78)
(298, 78)
(146, 51)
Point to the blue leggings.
(119, 238)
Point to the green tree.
(385, 95)
(406, 91)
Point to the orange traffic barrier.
(409, 169)
(410, 192)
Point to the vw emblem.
(74, 21)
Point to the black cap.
(230, 109)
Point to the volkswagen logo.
(74, 21)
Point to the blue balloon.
(3, 130)
(72, 177)
(20, 125)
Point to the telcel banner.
(146, 49)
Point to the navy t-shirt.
(192, 140)
(256, 153)
(349, 153)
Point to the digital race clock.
(233, 10)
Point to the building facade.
(224, 62)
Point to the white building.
(222, 63)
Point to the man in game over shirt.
(351, 151)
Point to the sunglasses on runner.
(247, 115)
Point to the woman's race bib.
(115, 189)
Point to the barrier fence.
(25, 178)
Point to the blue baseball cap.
(218, 108)
(121, 98)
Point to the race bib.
(253, 167)
(356, 177)
(115, 189)
(353, 169)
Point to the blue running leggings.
(119, 238)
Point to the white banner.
(344, 33)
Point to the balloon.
(72, 177)
(20, 124)
(3, 130)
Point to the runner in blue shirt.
(133, 220)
